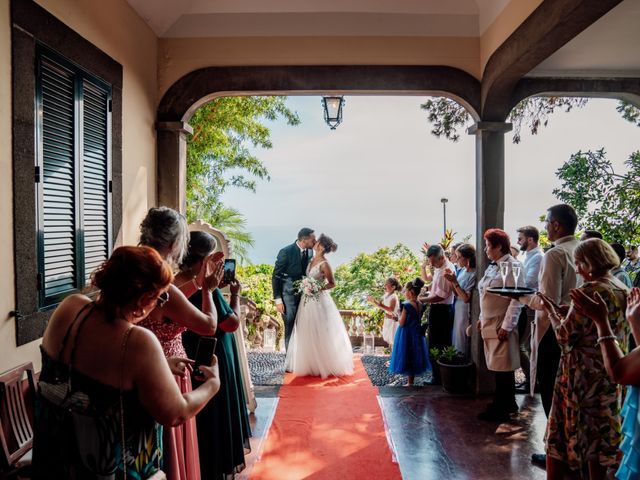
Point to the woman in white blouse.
(464, 283)
(498, 325)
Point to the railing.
(353, 321)
(259, 329)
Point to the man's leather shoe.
(539, 459)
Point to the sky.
(377, 180)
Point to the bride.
(319, 345)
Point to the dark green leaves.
(366, 273)
(605, 200)
(220, 156)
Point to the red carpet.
(327, 429)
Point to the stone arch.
(196, 88)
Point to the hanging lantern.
(333, 110)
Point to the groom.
(291, 265)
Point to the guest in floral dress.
(622, 369)
(166, 230)
(584, 423)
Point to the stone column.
(489, 214)
(172, 164)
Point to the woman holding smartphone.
(166, 231)
(93, 350)
(223, 425)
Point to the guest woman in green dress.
(223, 425)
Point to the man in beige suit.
(556, 278)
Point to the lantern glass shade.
(332, 110)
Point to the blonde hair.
(597, 256)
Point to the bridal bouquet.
(309, 288)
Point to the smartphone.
(204, 352)
(229, 270)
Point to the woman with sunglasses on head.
(166, 231)
(105, 382)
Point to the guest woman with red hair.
(105, 381)
(498, 326)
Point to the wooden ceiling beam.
(551, 26)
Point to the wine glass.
(504, 270)
(516, 269)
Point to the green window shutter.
(95, 176)
(57, 219)
(74, 159)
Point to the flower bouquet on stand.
(309, 288)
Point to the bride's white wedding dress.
(319, 344)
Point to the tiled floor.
(437, 435)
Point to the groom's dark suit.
(291, 265)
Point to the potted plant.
(434, 355)
(455, 371)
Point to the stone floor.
(436, 435)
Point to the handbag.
(159, 474)
(58, 390)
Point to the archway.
(196, 88)
(191, 91)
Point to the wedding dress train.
(319, 344)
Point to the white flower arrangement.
(309, 288)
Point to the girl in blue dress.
(410, 355)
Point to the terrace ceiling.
(251, 18)
(608, 48)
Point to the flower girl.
(410, 355)
(391, 307)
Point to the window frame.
(80, 76)
(32, 25)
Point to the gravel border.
(377, 367)
(267, 368)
